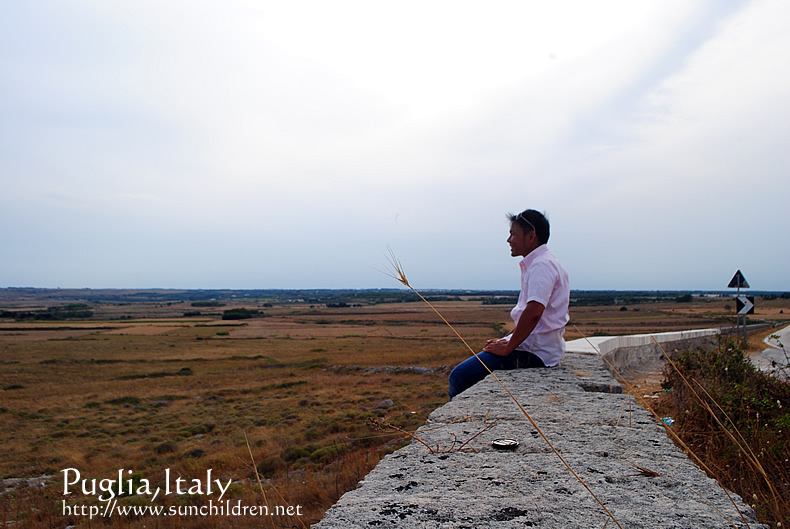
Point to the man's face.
(521, 243)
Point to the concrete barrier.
(453, 477)
(645, 352)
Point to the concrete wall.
(455, 478)
(638, 353)
(645, 352)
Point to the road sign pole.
(739, 281)
(738, 295)
(737, 314)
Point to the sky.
(268, 144)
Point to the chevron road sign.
(744, 305)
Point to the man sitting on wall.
(540, 314)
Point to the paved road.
(774, 357)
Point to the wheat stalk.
(671, 433)
(257, 476)
(399, 275)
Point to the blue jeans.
(471, 371)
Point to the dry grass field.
(140, 387)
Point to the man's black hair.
(529, 220)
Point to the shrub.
(742, 398)
(326, 454)
(198, 429)
(270, 466)
(122, 401)
(292, 453)
(238, 314)
(207, 304)
(166, 448)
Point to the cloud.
(303, 137)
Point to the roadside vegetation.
(737, 420)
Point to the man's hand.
(526, 323)
(497, 347)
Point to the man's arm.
(526, 324)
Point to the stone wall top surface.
(454, 478)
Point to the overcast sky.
(272, 144)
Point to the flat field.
(310, 395)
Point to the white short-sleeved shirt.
(543, 279)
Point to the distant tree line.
(211, 303)
(351, 297)
(72, 311)
(501, 300)
(443, 298)
(589, 298)
(785, 295)
(239, 314)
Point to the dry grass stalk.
(652, 474)
(742, 445)
(619, 417)
(647, 472)
(260, 485)
(671, 433)
(488, 427)
(706, 500)
(257, 476)
(400, 276)
(379, 424)
(546, 520)
(750, 456)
